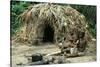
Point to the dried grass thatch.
(63, 20)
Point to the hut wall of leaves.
(50, 23)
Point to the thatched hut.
(50, 23)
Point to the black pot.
(37, 57)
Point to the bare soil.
(21, 53)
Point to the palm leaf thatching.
(62, 19)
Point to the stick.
(54, 53)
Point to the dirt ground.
(20, 54)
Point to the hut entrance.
(48, 35)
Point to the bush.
(17, 7)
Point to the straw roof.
(36, 17)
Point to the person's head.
(81, 34)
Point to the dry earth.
(21, 53)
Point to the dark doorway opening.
(48, 35)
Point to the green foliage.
(17, 7)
